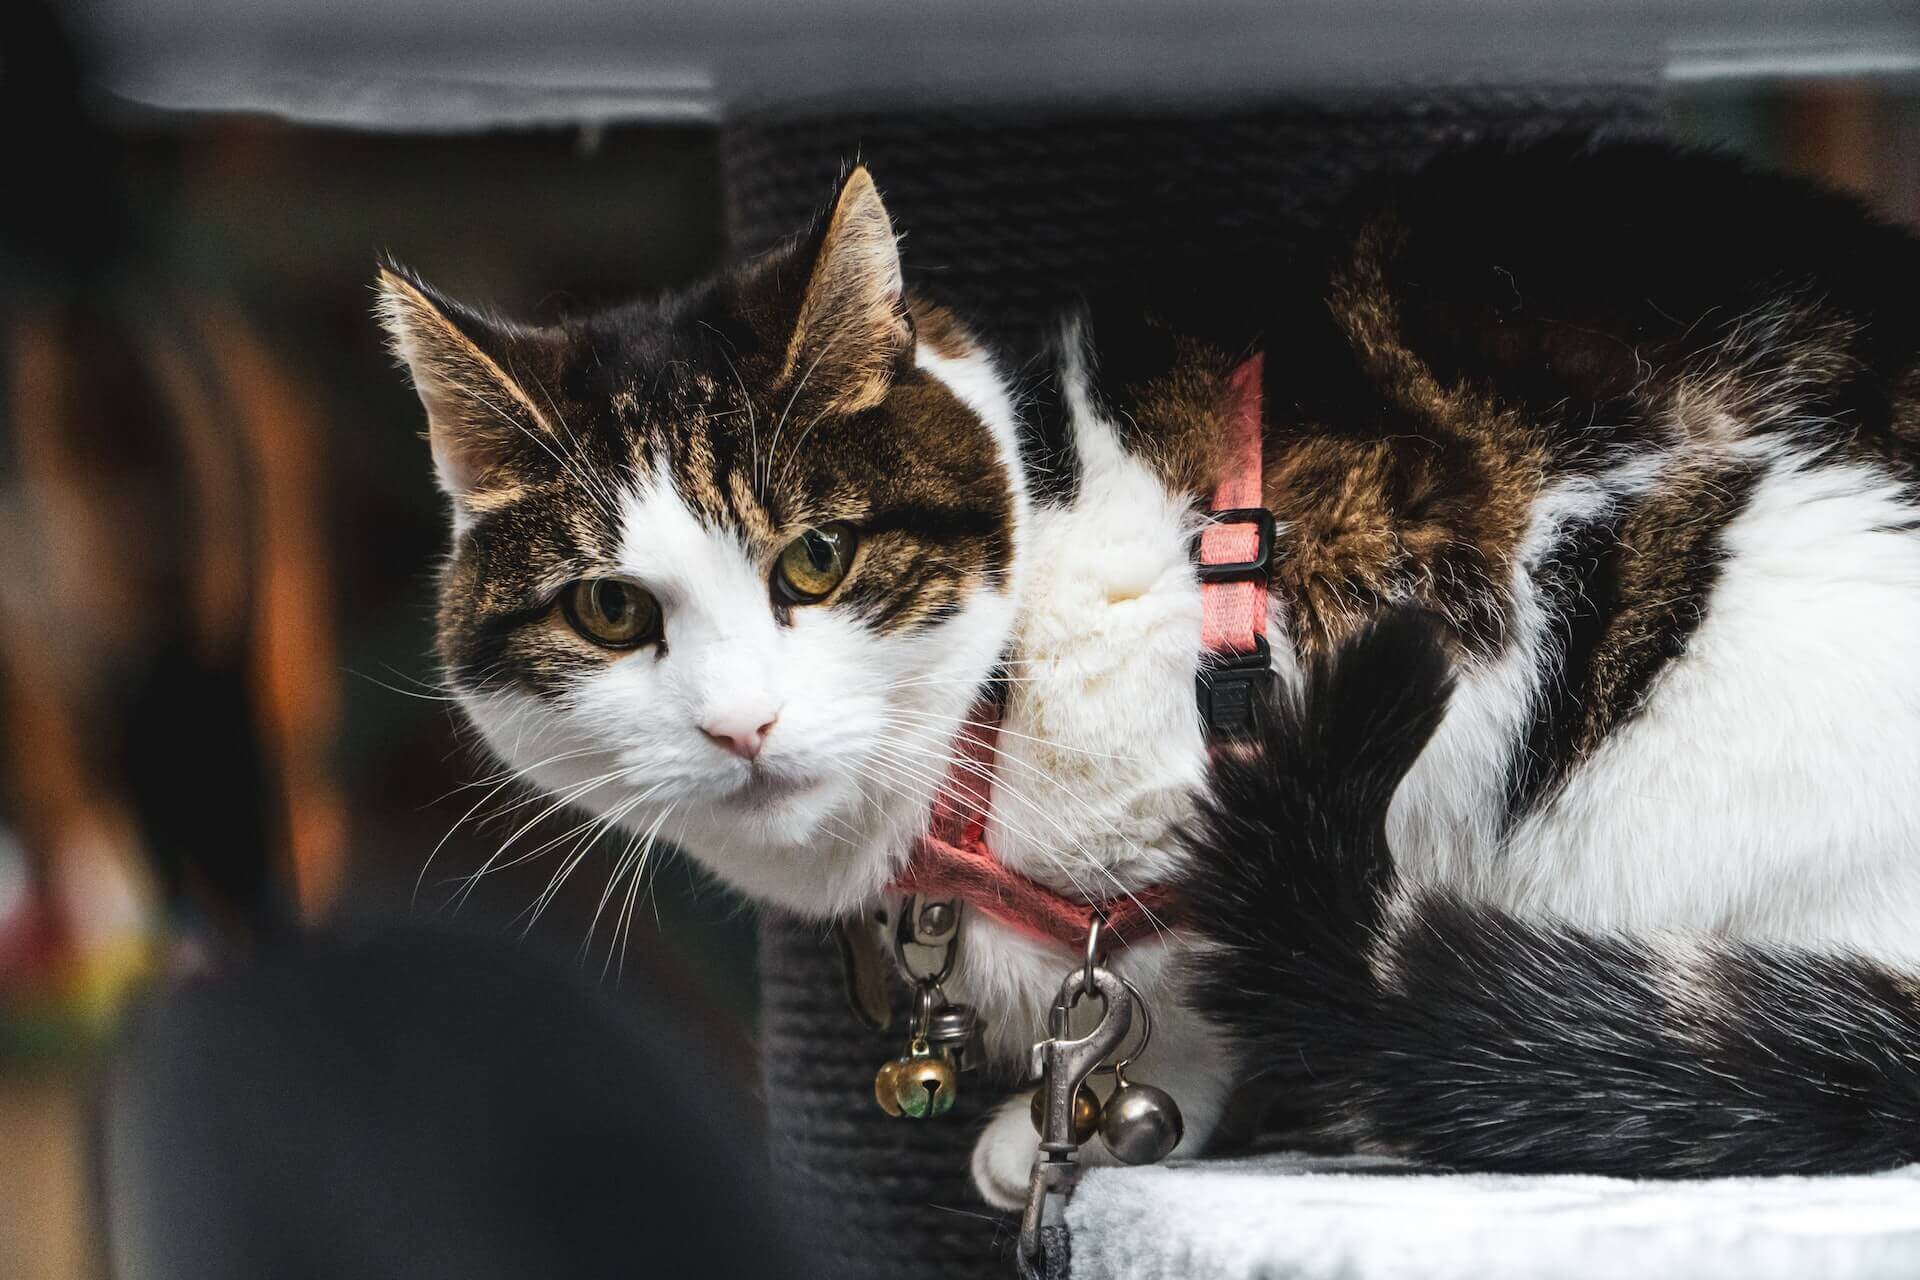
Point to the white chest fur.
(1102, 756)
(1102, 749)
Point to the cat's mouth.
(765, 789)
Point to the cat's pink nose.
(738, 739)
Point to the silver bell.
(956, 1028)
(1141, 1124)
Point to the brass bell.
(1086, 1112)
(1141, 1124)
(923, 1083)
(885, 1081)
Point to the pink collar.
(953, 861)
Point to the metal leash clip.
(1139, 1123)
(1063, 1066)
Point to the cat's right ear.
(480, 419)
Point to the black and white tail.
(1423, 1025)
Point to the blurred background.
(220, 720)
(219, 714)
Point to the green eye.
(814, 564)
(611, 613)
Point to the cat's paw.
(1003, 1158)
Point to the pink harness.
(953, 861)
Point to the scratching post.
(1008, 213)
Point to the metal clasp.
(933, 923)
(1063, 1065)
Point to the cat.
(731, 568)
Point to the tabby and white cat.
(730, 569)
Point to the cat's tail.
(1418, 1024)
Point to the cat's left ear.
(853, 329)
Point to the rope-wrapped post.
(1008, 214)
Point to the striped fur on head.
(681, 446)
(772, 408)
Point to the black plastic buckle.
(1262, 521)
(1229, 683)
(1229, 687)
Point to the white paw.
(1003, 1158)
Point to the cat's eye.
(611, 613)
(813, 564)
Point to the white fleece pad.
(1299, 1218)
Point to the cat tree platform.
(1346, 1219)
(467, 64)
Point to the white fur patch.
(1762, 791)
(1766, 788)
(1446, 816)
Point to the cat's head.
(727, 569)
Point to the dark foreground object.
(427, 1107)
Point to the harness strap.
(1237, 542)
